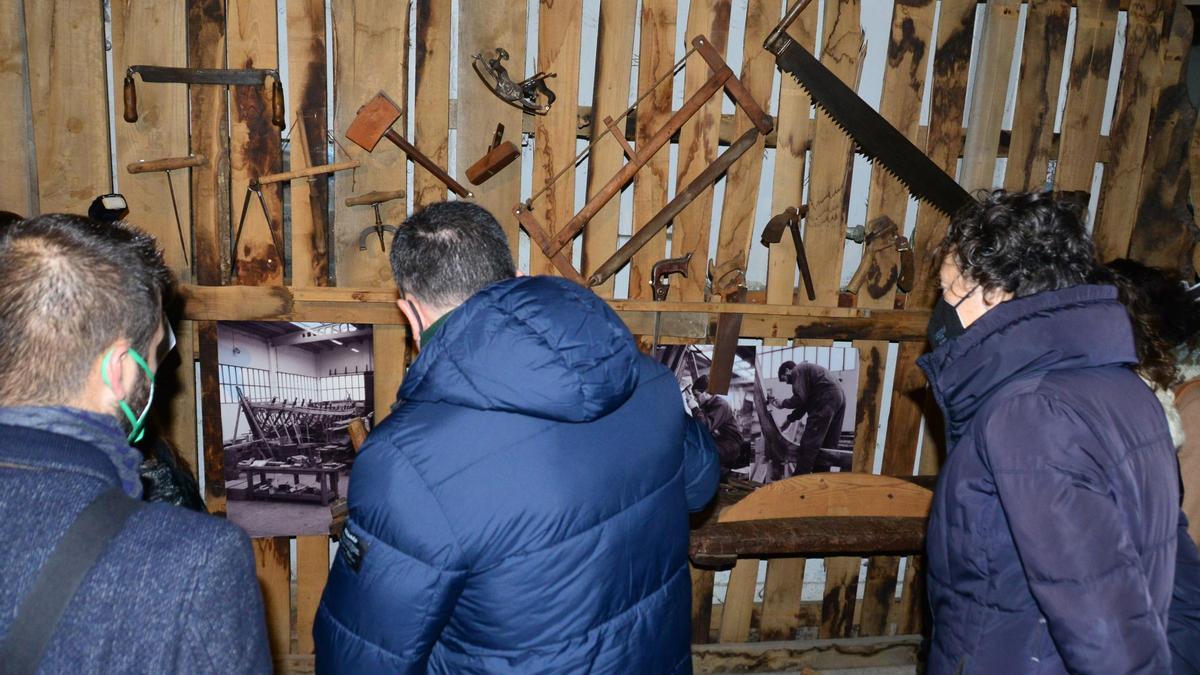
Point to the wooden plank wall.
(63, 161)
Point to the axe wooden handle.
(277, 113)
(377, 197)
(428, 164)
(308, 171)
(166, 164)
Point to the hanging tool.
(218, 76)
(374, 199)
(728, 281)
(773, 234)
(660, 281)
(875, 137)
(531, 94)
(722, 78)
(374, 122)
(254, 187)
(878, 235)
(663, 218)
(167, 165)
(499, 154)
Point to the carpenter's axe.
(256, 77)
(374, 123)
(773, 234)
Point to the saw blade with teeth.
(874, 137)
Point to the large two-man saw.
(876, 139)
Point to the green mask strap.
(136, 431)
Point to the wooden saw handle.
(131, 111)
(377, 197)
(166, 164)
(277, 113)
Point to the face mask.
(136, 421)
(944, 324)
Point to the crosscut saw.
(875, 137)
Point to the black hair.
(70, 287)
(784, 368)
(701, 383)
(446, 252)
(1164, 316)
(1021, 242)
(8, 218)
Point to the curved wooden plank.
(832, 494)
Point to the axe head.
(373, 121)
(773, 232)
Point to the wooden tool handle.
(428, 164)
(377, 197)
(277, 113)
(131, 111)
(307, 171)
(493, 162)
(166, 164)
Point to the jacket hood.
(1078, 327)
(539, 346)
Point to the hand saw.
(876, 139)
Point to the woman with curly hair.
(1052, 536)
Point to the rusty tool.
(167, 165)
(531, 94)
(499, 154)
(773, 234)
(660, 281)
(722, 78)
(663, 218)
(374, 122)
(374, 199)
(219, 76)
(728, 281)
(254, 187)
(878, 235)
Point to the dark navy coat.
(1051, 544)
(525, 508)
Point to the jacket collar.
(1079, 327)
(107, 455)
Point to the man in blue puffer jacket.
(524, 509)
(1052, 536)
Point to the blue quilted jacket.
(524, 509)
(1051, 543)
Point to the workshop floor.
(276, 518)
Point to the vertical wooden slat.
(210, 137)
(307, 89)
(179, 425)
(1029, 151)
(210, 417)
(702, 604)
(482, 27)
(390, 346)
(65, 48)
(369, 37)
(739, 602)
(273, 566)
(1141, 66)
(431, 128)
(614, 50)
(18, 192)
(837, 607)
(1077, 148)
(254, 143)
(900, 104)
(782, 593)
(148, 32)
(741, 182)
(655, 59)
(554, 133)
(988, 94)
(698, 148)
(312, 571)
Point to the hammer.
(374, 122)
(773, 234)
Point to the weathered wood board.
(272, 558)
(306, 115)
(369, 57)
(19, 191)
(1030, 148)
(988, 94)
(1095, 31)
(431, 128)
(209, 126)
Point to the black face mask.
(944, 324)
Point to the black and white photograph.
(292, 397)
(788, 410)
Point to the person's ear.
(111, 370)
(412, 314)
(521, 273)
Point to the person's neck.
(435, 322)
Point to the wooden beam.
(1095, 31)
(815, 536)
(988, 94)
(307, 88)
(312, 573)
(19, 192)
(808, 655)
(1042, 56)
(209, 137)
(431, 128)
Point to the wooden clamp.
(374, 122)
(722, 78)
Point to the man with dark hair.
(524, 507)
(717, 416)
(164, 590)
(1052, 536)
(818, 394)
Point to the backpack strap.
(74, 555)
